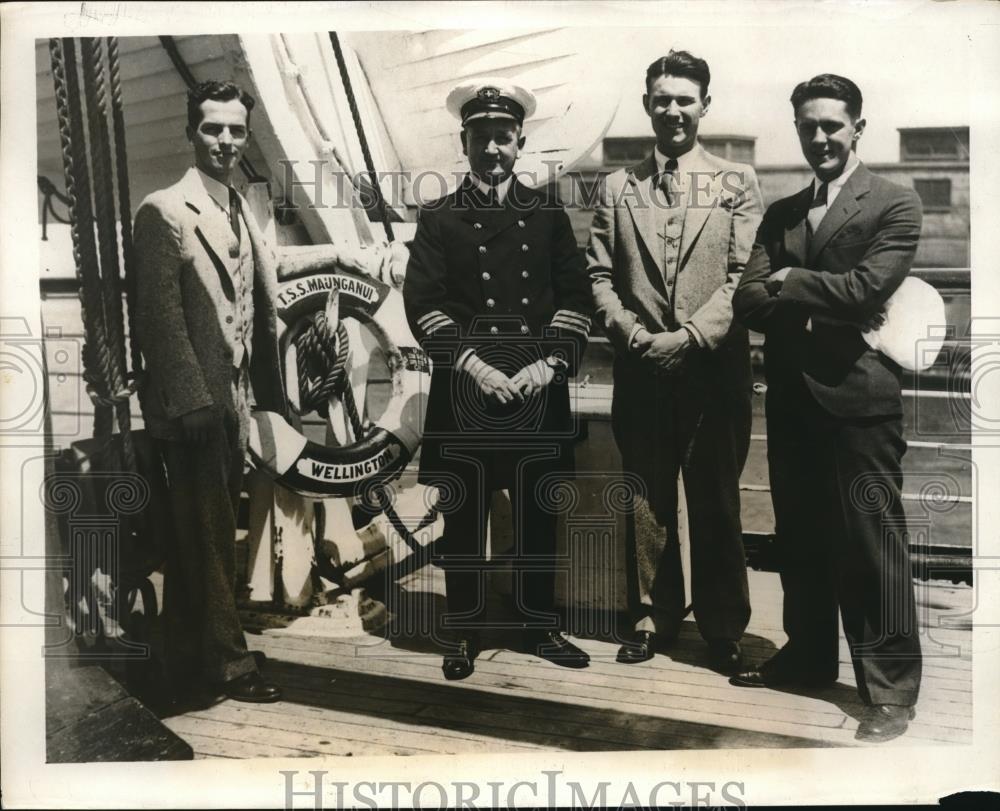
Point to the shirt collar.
(219, 192)
(684, 162)
(838, 182)
(502, 187)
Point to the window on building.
(731, 147)
(934, 144)
(934, 194)
(626, 151)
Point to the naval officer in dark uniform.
(497, 293)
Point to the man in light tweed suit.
(207, 327)
(667, 245)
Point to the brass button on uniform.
(524, 329)
(524, 248)
(524, 301)
(229, 319)
(490, 302)
(494, 331)
(477, 225)
(482, 249)
(486, 277)
(524, 274)
(520, 223)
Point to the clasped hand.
(525, 383)
(665, 350)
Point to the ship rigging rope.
(124, 199)
(360, 128)
(99, 367)
(104, 199)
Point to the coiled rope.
(322, 353)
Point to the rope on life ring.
(380, 450)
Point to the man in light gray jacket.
(206, 322)
(668, 242)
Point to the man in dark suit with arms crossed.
(826, 261)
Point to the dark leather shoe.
(460, 663)
(638, 649)
(771, 675)
(252, 688)
(554, 647)
(883, 722)
(725, 656)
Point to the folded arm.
(754, 305)
(861, 292)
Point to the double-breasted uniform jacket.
(186, 315)
(506, 281)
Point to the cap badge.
(488, 93)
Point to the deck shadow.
(447, 708)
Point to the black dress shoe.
(554, 647)
(638, 649)
(771, 675)
(883, 722)
(252, 688)
(460, 663)
(725, 656)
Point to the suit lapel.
(701, 202)
(641, 207)
(844, 208)
(797, 227)
(208, 229)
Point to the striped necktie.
(234, 213)
(668, 180)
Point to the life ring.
(311, 468)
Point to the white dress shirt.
(502, 187)
(219, 192)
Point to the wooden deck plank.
(207, 747)
(578, 727)
(371, 732)
(677, 666)
(199, 723)
(494, 677)
(643, 679)
(371, 695)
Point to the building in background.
(932, 160)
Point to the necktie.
(668, 180)
(234, 213)
(817, 208)
(820, 198)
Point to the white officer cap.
(491, 98)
